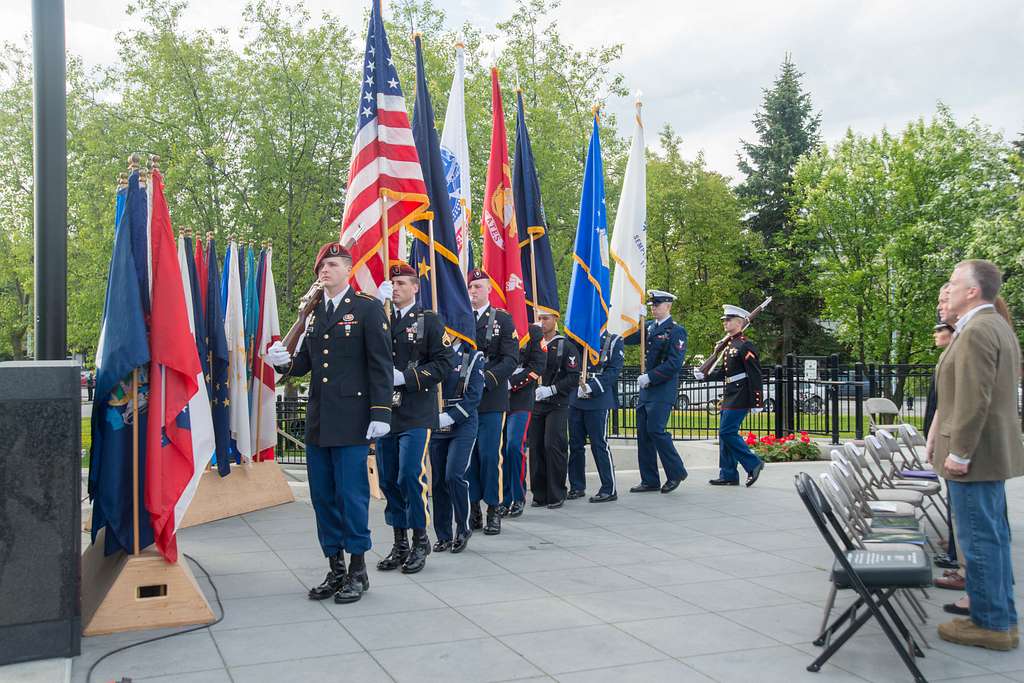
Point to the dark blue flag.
(452, 298)
(217, 360)
(534, 246)
(136, 206)
(123, 349)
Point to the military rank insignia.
(446, 339)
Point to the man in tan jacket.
(975, 444)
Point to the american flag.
(385, 173)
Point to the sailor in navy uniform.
(659, 386)
(547, 434)
(347, 352)
(422, 358)
(522, 383)
(496, 337)
(588, 419)
(452, 445)
(740, 369)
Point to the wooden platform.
(138, 592)
(248, 488)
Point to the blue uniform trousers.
(484, 474)
(513, 470)
(340, 491)
(732, 448)
(654, 442)
(584, 424)
(402, 473)
(449, 459)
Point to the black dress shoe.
(334, 579)
(517, 509)
(604, 498)
(724, 482)
(752, 477)
(460, 542)
(644, 488)
(417, 558)
(502, 511)
(399, 551)
(671, 485)
(575, 493)
(493, 525)
(442, 546)
(537, 504)
(954, 608)
(557, 504)
(355, 584)
(476, 518)
(946, 562)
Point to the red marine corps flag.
(498, 224)
(385, 183)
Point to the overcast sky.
(702, 65)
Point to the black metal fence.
(813, 394)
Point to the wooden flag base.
(248, 488)
(138, 592)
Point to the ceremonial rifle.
(306, 307)
(716, 355)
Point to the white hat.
(734, 312)
(656, 296)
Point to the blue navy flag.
(587, 314)
(217, 361)
(136, 204)
(452, 298)
(534, 246)
(122, 349)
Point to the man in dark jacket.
(522, 384)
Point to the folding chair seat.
(877, 408)
(875, 574)
(908, 461)
(927, 483)
(854, 479)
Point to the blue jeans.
(484, 474)
(584, 424)
(402, 471)
(982, 530)
(449, 459)
(513, 471)
(732, 448)
(339, 489)
(654, 442)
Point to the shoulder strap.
(489, 333)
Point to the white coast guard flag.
(263, 418)
(238, 381)
(629, 242)
(455, 155)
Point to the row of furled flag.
(181, 350)
(402, 172)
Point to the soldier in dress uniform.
(588, 419)
(740, 369)
(422, 358)
(659, 386)
(548, 435)
(520, 405)
(347, 352)
(452, 445)
(496, 337)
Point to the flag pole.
(387, 248)
(135, 461)
(433, 287)
(257, 381)
(643, 344)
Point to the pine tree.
(787, 128)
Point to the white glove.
(445, 420)
(377, 430)
(277, 354)
(697, 374)
(399, 378)
(385, 291)
(643, 380)
(509, 383)
(583, 391)
(541, 393)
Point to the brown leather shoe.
(966, 632)
(953, 583)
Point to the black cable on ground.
(191, 629)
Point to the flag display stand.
(124, 592)
(248, 488)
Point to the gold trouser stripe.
(501, 459)
(423, 477)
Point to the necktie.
(330, 308)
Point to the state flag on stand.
(452, 297)
(501, 259)
(385, 171)
(587, 311)
(179, 439)
(535, 248)
(251, 301)
(628, 248)
(238, 380)
(455, 156)
(122, 349)
(218, 361)
(263, 418)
